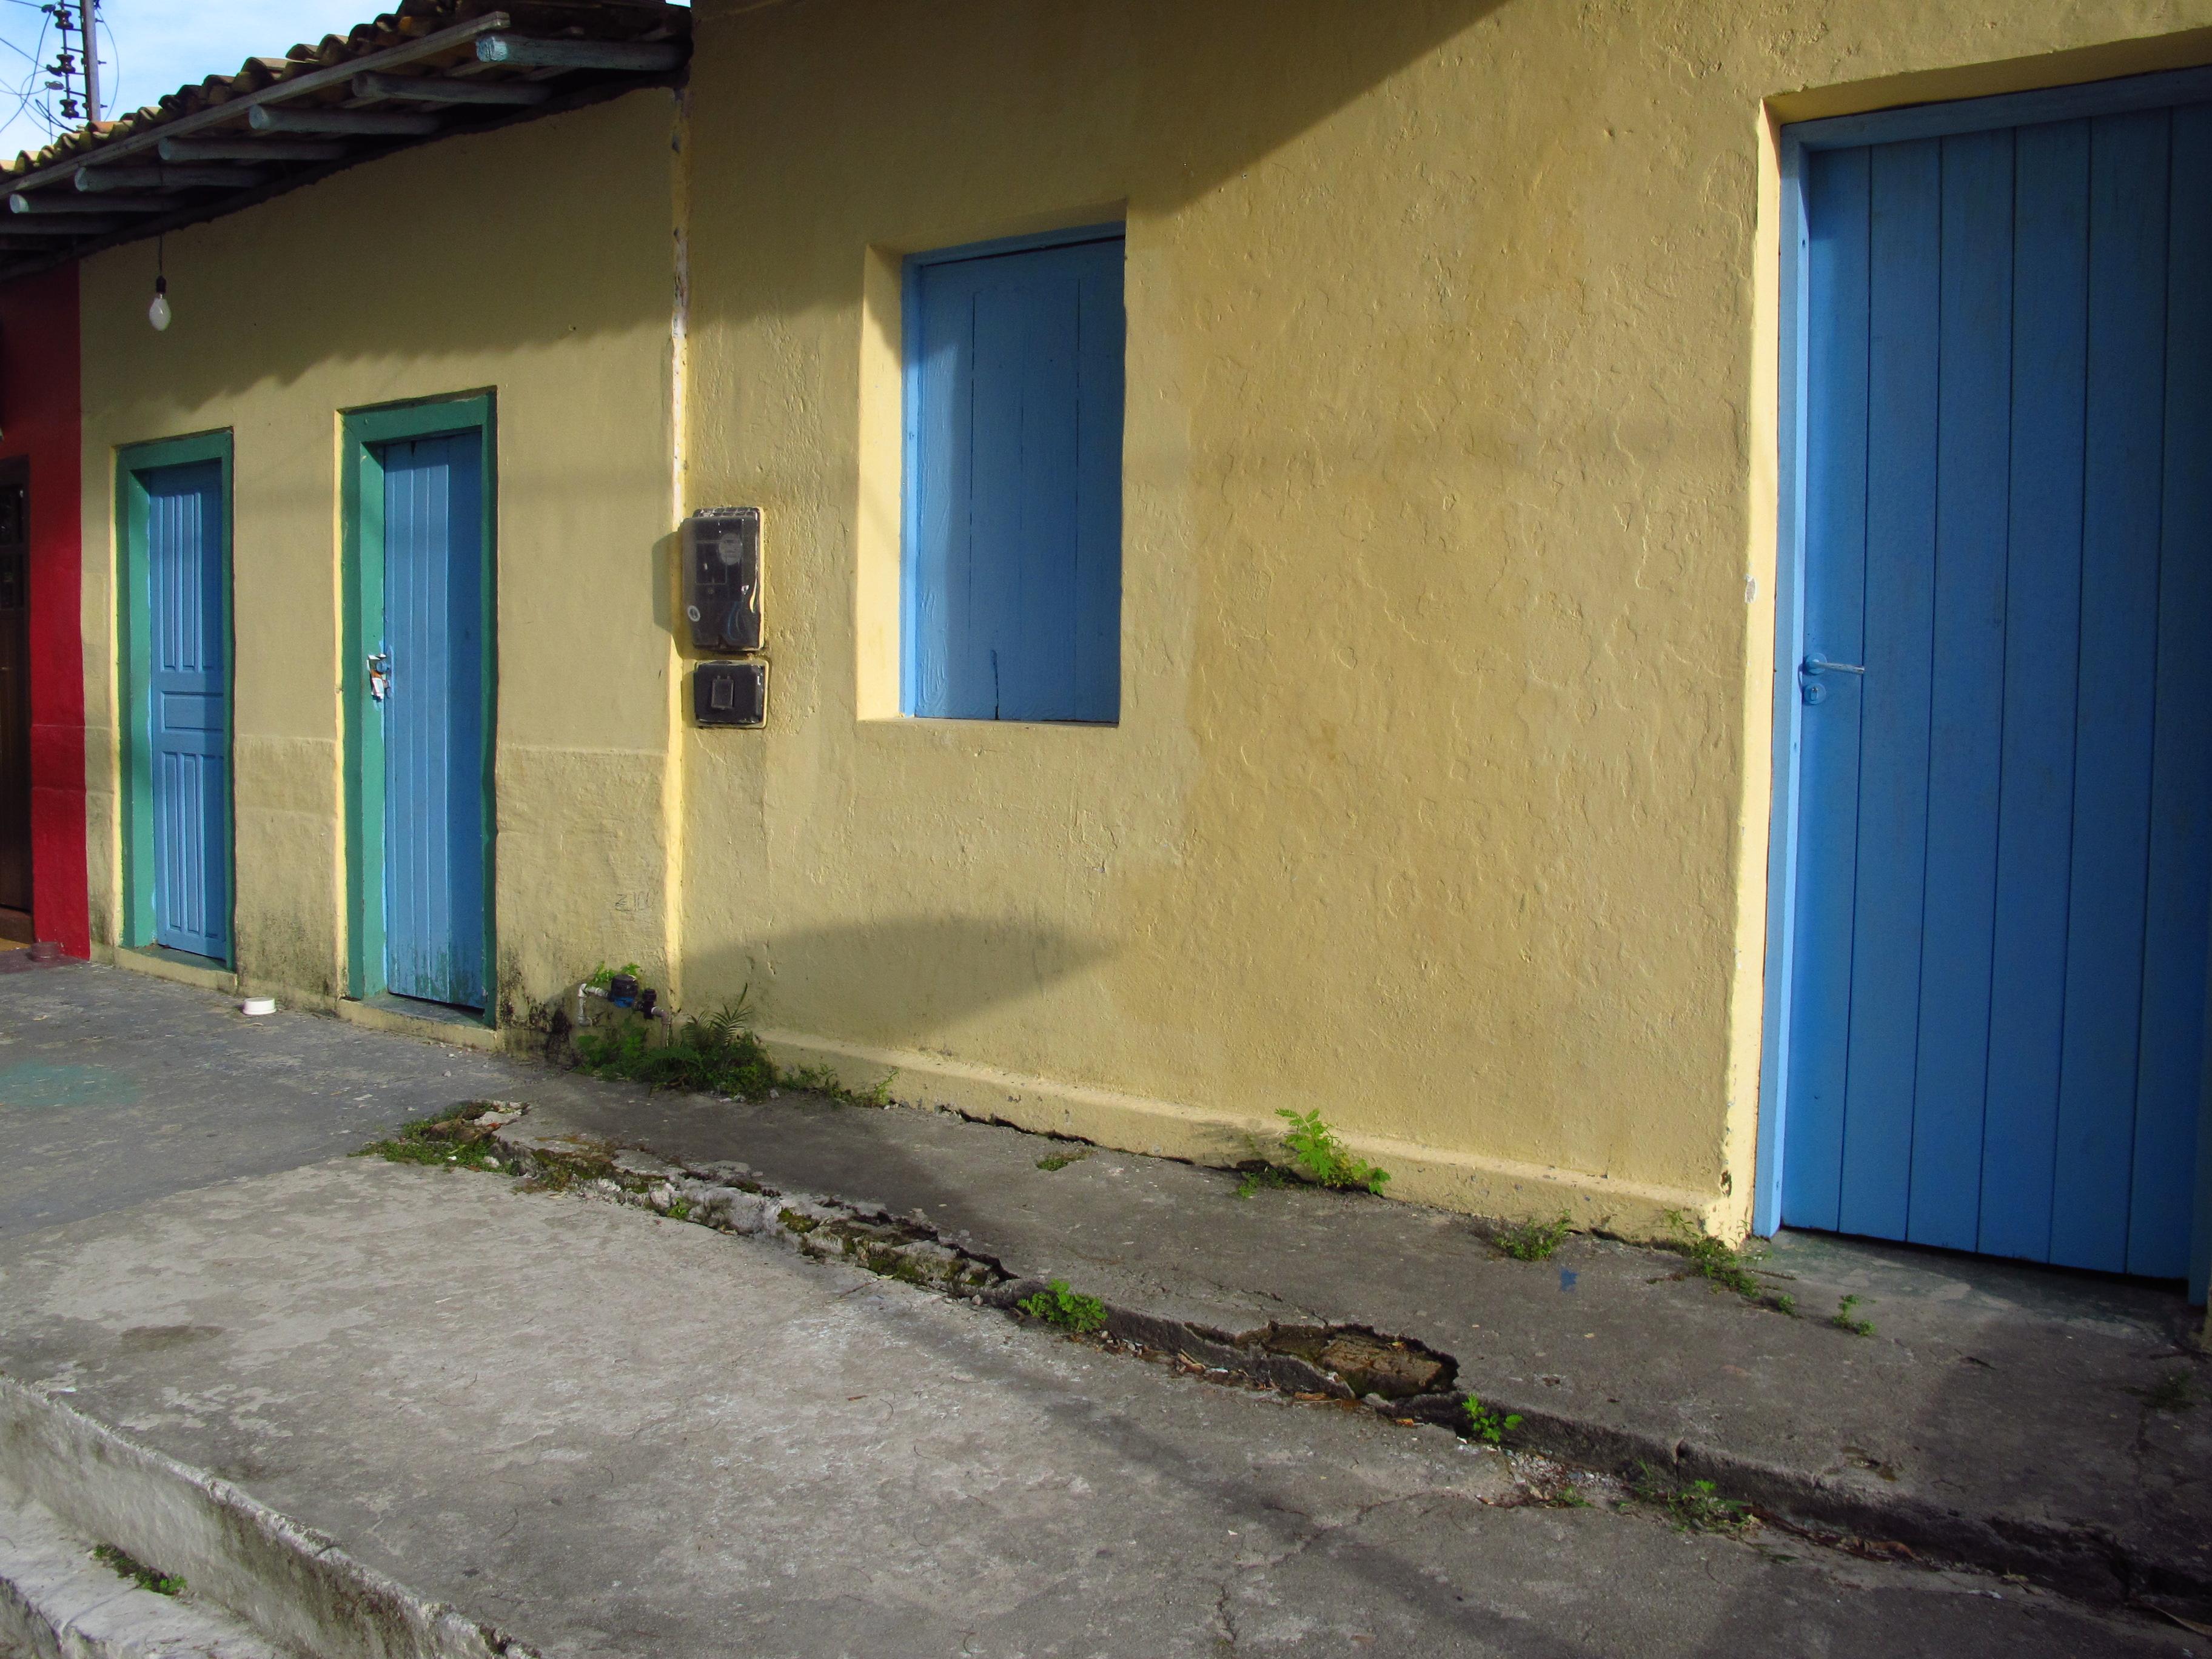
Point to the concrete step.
(258, 1584)
(57, 1601)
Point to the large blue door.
(1998, 1036)
(187, 713)
(435, 772)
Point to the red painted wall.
(40, 401)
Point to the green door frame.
(361, 485)
(134, 622)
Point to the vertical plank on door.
(2169, 1086)
(1837, 207)
(2128, 188)
(187, 709)
(2050, 302)
(433, 755)
(1974, 396)
(1893, 837)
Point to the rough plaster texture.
(534, 262)
(1438, 797)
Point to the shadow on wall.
(903, 981)
(1156, 101)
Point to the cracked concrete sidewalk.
(614, 1433)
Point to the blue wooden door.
(1998, 1009)
(1014, 581)
(435, 774)
(188, 708)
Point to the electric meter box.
(722, 579)
(730, 694)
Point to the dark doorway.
(14, 702)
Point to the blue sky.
(148, 47)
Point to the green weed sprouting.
(1532, 1240)
(716, 1053)
(455, 1141)
(128, 1566)
(1844, 1320)
(1318, 1156)
(1723, 1266)
(1487, 1425)
(1070, 1311)
(1698, 1507)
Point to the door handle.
(379, 675)
(1809, 671)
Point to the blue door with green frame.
(2003, 843)
(430, 671)
(187, 712)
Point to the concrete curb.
(2075, 1560)
(293, 1586)
(57, 1602)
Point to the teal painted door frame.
(364, 432)
(134, 624)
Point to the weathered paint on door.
(434, 817)
(1014, 457)
(2005, 808)
(187, 713)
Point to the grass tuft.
(1698, 1507)
(1070, 1311)
(1844, 1319)
(128, 1566)
(1532, 1240)
(1727, 1269)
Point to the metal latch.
(1810, 670)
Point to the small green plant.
(1487, 1425)
(2174, 1391)
(1070, 1311)
(1698, 1507)
(1318, 1155)
(1725, 1267)
(1532, 1240)
(603, 977)
(717, 1054)
(1061, 1160)
(455, 1141)
(1844, 1319)
(680, 1209)
(1266, 1175)
(137, 1572)
(822, 1080)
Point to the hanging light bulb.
(158, 313)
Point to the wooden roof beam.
(428, 89)
(249, 149)
(522, 51)
(62, 203)
(344, 122)
(92, 177)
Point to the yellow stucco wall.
(534, 262)
(1438, 796)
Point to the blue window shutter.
(1014, 469)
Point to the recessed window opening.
(1012, 508)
